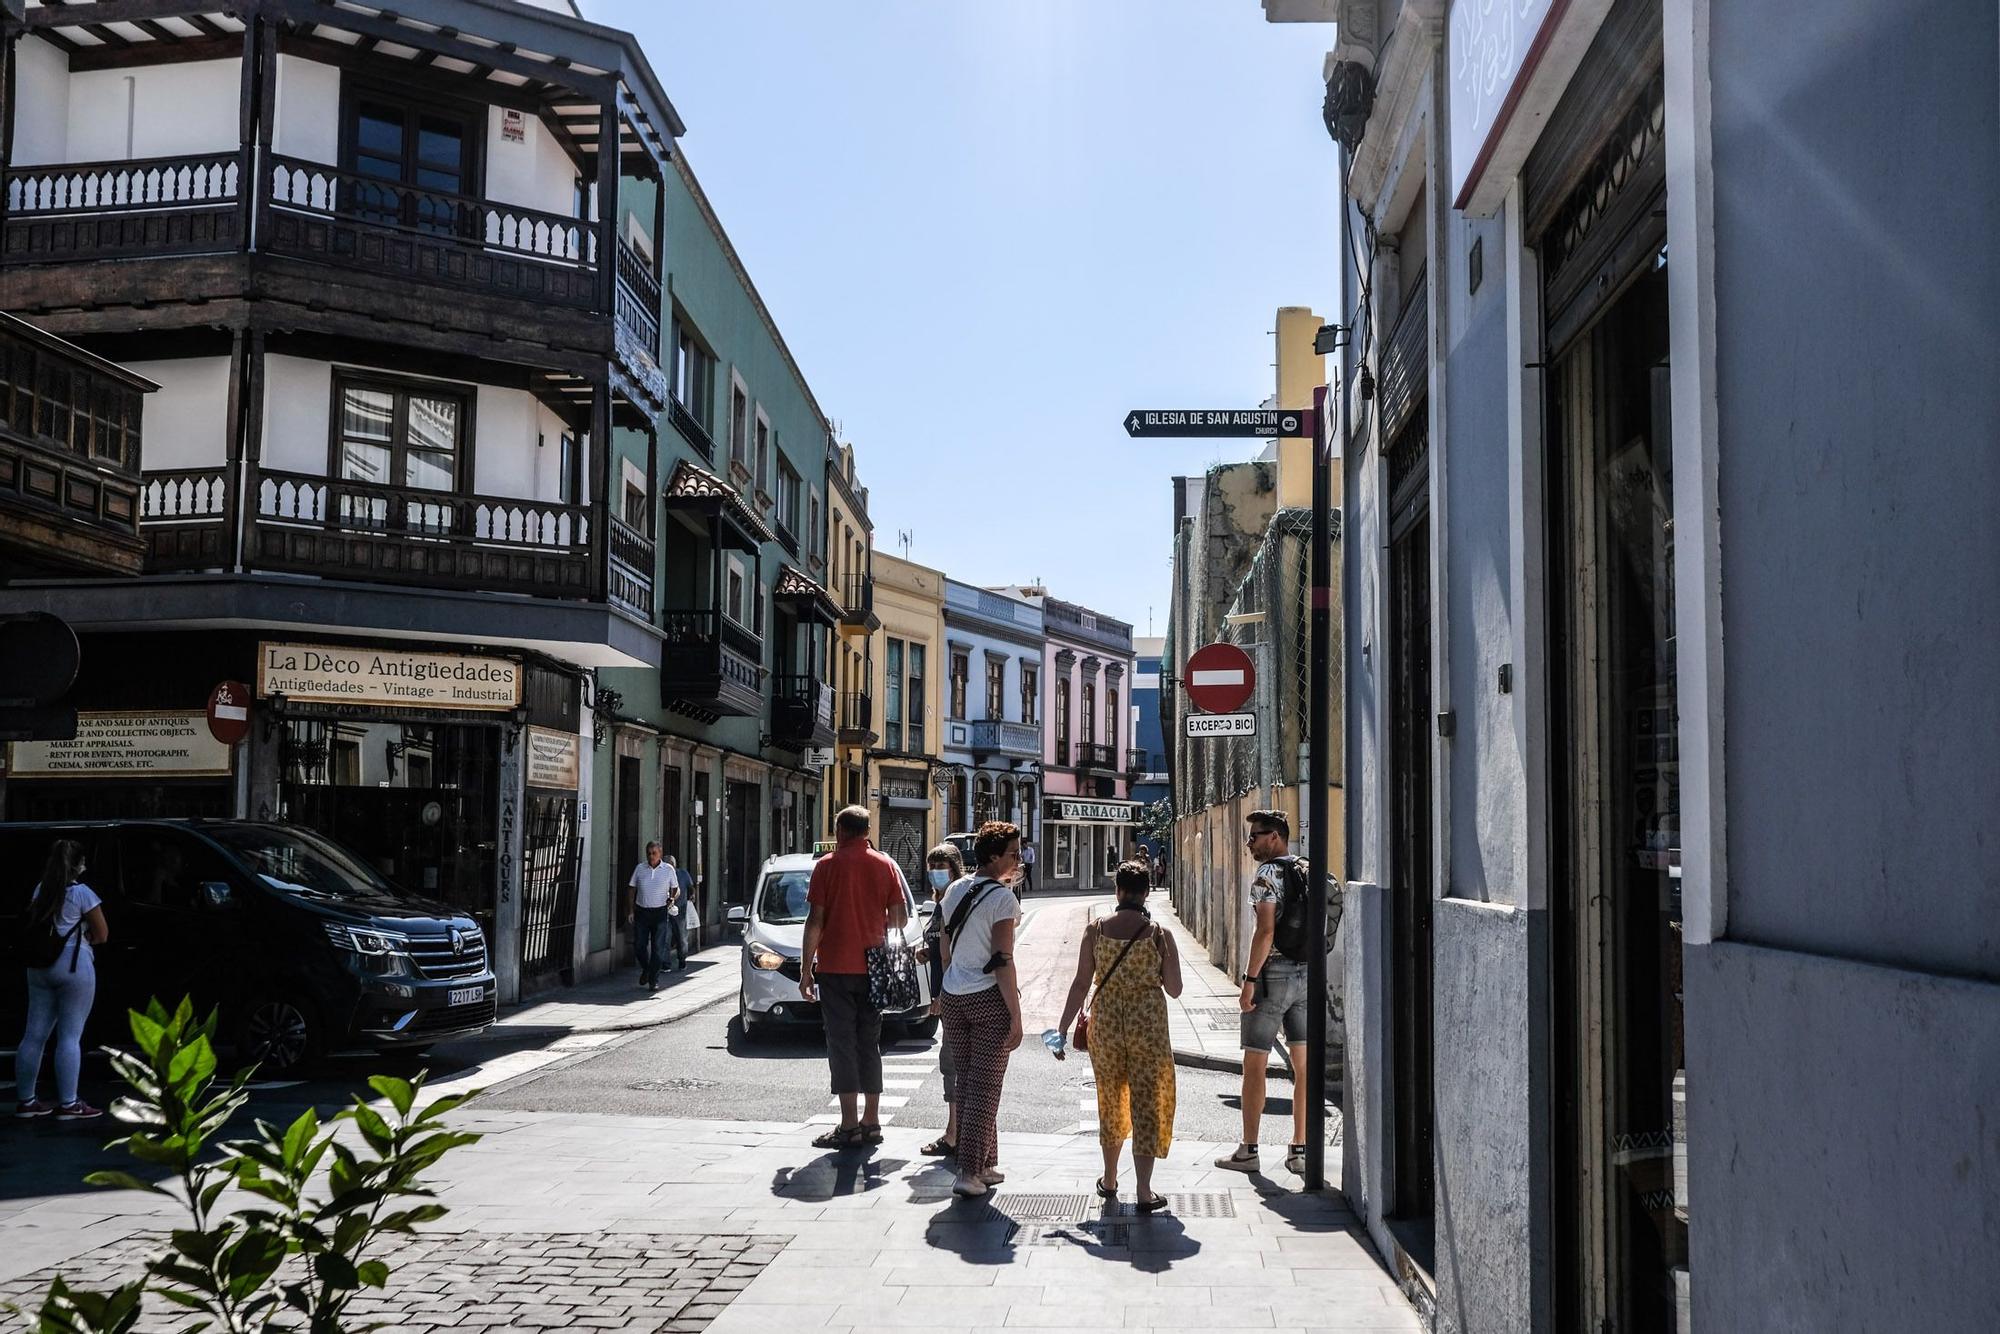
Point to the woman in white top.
(982, 998)
(60, 995)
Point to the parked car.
(774, 927)
(302, 945)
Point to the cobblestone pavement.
(635, 1283)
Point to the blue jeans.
(651, 939)
(58, 1002)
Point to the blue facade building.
(992, 708)
(1150, 784)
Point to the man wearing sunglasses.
(1274, 995)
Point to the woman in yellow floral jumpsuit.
(1130, 1052)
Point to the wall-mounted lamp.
(1330, 339)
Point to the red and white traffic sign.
(229, 712)
(1220, 677)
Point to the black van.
(300, 942)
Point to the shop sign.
(553, 759)
(135, 744)
(326, 674)
(817, 757)
(1089, 812)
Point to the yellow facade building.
(909, 668)
(850, 577)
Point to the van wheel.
(280, 1034)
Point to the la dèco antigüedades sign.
(1082, 810)
(339, 674)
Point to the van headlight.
(767, 959)
(377, 953)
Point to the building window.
(996, 687)
(961, 668)
(569, 471)
(734, 602)
(982, 801)
(422, 156)
(757, 607)
(958, 798)
(739, 425)
(761, 468)
(916, 699)
(788, 499)
(1030, 678)
(635, 507)
(1065, 848)
(399, 435)
(815, 530)
(693, 376)
(1007, 801)
(892, 696)
(1111, 717)
(1062, 722)
(1089, 711)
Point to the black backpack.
(1293, 936)
(44, 945)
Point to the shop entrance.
(550, 853)
(741, 843)
(419, 801)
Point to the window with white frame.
(693, 378)
(739, 423)
(788, 498)
(735, 595)
(761, 466)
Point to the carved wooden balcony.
(710, 665)
(801, 711)
(69, 458)
(65, 212)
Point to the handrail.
(184, 495)
(318, 187)
(408, 511)
(124, 185)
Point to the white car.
(774, 933)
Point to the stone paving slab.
(616, 1004)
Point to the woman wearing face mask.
(982, 999)
(945, 868)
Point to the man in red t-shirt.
(855, 898)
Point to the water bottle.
(1052, 1038)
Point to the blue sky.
(988, 228)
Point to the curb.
(1229, 1065)
(505, 1031)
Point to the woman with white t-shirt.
(982, 998)
(60, 995)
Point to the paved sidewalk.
(657, 1224)
(616, 1004)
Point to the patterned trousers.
(975, 1031)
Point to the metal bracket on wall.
(1447, 723)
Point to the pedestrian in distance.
(654, 885)
(854, 899)
(945, 868)
(1134, 966)
(64, 927)
(1274, 995)
(1027, 866)
(982, 999)
(677, 916)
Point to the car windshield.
(300, 863)
(782, 901)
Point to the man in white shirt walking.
(656, 888)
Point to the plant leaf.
(251, 1262)
(373, 1273)
(336, 1271)
(400, 1092)
(126, 1181)
(299, 1138)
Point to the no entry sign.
(1220, 677)
(229, 712)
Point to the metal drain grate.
(1047, 1208)
(1191, 1204)
(1092, 1233)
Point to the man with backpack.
(1274, 983)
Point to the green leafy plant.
(231, 1266)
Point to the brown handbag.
(1081, 1042)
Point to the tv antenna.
(904, 538)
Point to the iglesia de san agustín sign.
(330, 674)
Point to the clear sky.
(988, 228)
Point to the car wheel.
(280, 1034)
(752, 1029)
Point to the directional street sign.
(1287, 422)
(1219, 677)
(1221, 724)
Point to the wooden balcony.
(340, 528)
(801, 712)
(63, 213)
(857, 718)
(710, 665)
(1014, 741)
(69, 458)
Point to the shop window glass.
(1065, 851)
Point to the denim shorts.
(1281, 1003)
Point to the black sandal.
(939, 1148)
(1105, 1192)
(1152, 1206)
(840, 1137)
(869, 1134)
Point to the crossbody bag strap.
(965, 907)
(1115, 962)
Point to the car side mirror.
(217, 894)
(737, 914)
(928, 908)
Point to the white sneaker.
(1295, 1161)
(1242, 1160)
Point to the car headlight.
(766, 959)
(381, 953)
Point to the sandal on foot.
(869, 1134)
(1152, 1206)
(939, 1148)
(840, 1137)
(970, 1188)
(1105, 1192)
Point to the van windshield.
(301, 863)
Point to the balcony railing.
(710, 663)
(638, 299)
(802, 711)
(1095, 755)
(857, 717)
(1135, 761)
(349, 528)
(697, 434)
(857, 598)
(1014, 740)
(154, 206)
